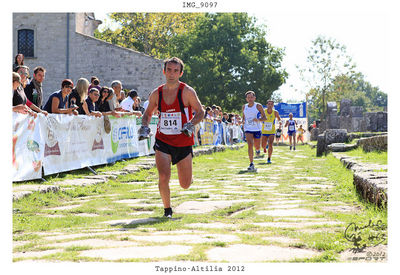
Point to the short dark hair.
(66, 82)
(270, 100)
(93, 90)
(133, 93)
(175, 60)
(250, 92)
(214, 107)
(39, 68)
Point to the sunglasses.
(96, 94)
(71, 87)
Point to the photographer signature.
(374, 232)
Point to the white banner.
(61, 142)
(27, 146)
(73, 142)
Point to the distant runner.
(278, 133)
(268, 128)
(301, 134)
(291, 124)
(253, 114)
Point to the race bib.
(267, 126)
(171, 123)
(250, 122)
(291, 128)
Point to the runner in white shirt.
(253, 114)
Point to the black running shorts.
(177, 153)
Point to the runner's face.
(270, 105)
(250, 98)
(173, 71)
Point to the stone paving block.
(94, 243)
(197, 207)
(137, 252)
(257, 253)
(210, 225)
(30, 254)
(288, 212)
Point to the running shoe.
(168, 212)
(266, 147)
(251, 167)
(294, 148)
(269, 161)
(290, 147)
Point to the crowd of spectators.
(215, 113)
(82, 99)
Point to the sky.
(362, 29)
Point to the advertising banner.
(27, 146)
(74, 142)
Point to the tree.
(326, 59)
(226, 54)
(150, 33)
(360, 91)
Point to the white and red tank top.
(172, 118)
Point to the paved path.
(234, 217)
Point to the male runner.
(268, 128)
(253, 114)
(175, 102)
(291, 124)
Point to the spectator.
(118, 96)
(91, 101)
(19, 61)
(78, 96)
(58, 101)
(225, 117)
(94, 83)
(128, 103)
(209, 113)
(20, 102)
(137, 105)
(23, 71)
(33, 90)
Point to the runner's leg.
(163, 163)
(184, 168)
(250, 143)
(264, 142)
(270, 143)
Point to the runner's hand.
(144, 132)
(188, 129)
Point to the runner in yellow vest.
(268, 128)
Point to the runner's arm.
(277, 115)
(261, 110)
(195, 103)
(153, 104)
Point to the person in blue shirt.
(58, 101)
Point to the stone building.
(64, 45)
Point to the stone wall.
(353, 118)
(55, 40)
(377, 143)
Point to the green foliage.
(225, 54)
(150, 33)
(331, 75)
